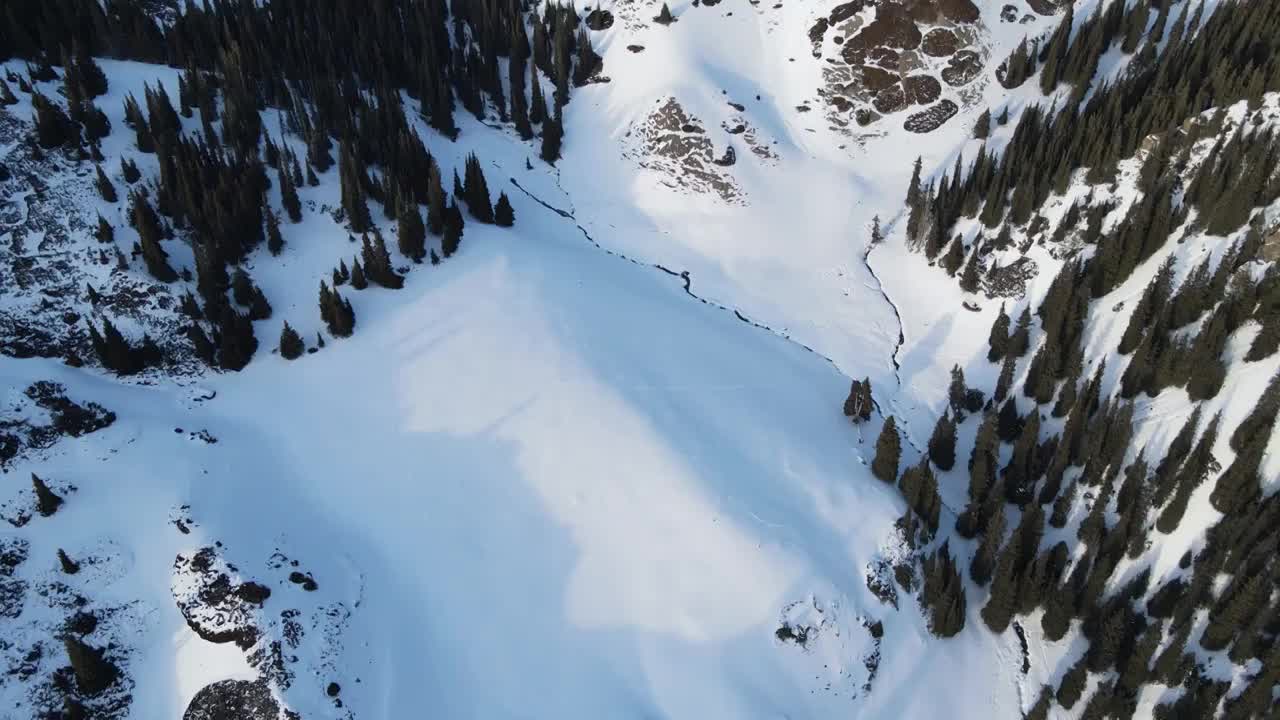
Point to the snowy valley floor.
(541, 481)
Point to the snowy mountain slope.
(542, 480)
(540, 470)
(790, 254)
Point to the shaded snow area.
(542, 482)
(591, 466)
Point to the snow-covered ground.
(543, 480)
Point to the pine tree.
(129, 170)
(69, 566)
(664, 16)
(104, 232)
(47, 501)
(275, 241)
(503, 214)
(984, 562)
(289, 196)
(237, 343)
(105, 188)
(858, 404)
(53, 127)
(249, 295)
(1243, 599)
(1241, 483)
(942, 444)
(1189, 477)
(203, 346)
(93, 673)
(291, 345)
(1134, 671)
(1261, 421)
(943, 593)
(453, 224)
(552, 136)
(1040, 710)
(1073, 684)
(984, 458)
(1009, 422)
(353, 177)
(147, 223)
(982, 128)
(476, 191)
(358, 279)
(1005, 381)
(1020, 340)
(999, 610)
(888, 452)
(412, 234)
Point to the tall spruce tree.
(888, 452)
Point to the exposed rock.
(963, 67)
(874, 79)
(931, 118)
(939, 42)
(890, 99)
(51, 257)
(211, 602)
(233, 700)
(921, 89)
(897, 54)
(599, 19)
(674, 144)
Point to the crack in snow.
(688, 287)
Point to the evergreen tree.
(237, 343)
(289, 196)
(53, 127)
(129, 169)
(69, 566)
(147, 223)
(552, 136)
(1040, 710)
(1243, 599)
(942, 444)
(353, 178)
(47, 501)
(888, 452)
(412, 234)
(453, 224)
(291, 345)
(476, 191)
(249, 295)
(664, 16)
(858, 404)
(358, 279)
(1009, 422)
(1261, 421)
(943, 593)
(999, 610)
(1020, 340)
(105, 188)
(93, 673)
(998, 340)
(984, 562)
(503, 214)
(1073, 684)
(275, 241)
(982, 128)
(1005, 381)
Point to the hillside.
(564, 437)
